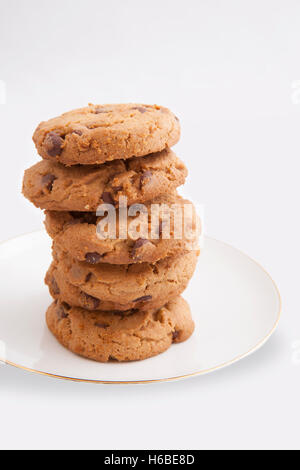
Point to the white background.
(227, 69)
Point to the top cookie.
(96, 134)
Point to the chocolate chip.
(138, 244)
(61, 313)
(78, 132)
(155, 269)
(55, 288)
(117, 188)
(146, 298)
(101, 325)
(93, 258)
(54, 144)
(107, 198)
(47, 181)
(89, 218)
(112, 359)
(88, 277)
(94, 300)
(120, 312)
(175, 335)
(141, 109)
(147, 175)
(101, 111)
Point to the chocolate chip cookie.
(52, 186)
(124, 286)
(60, 289)
(104, 337)
(76, 234)
(96, 134)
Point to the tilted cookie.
(129, 286)
(76, 234)
(105, 337)
(101, 133)
(52, 186)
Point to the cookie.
(50, 185)
(76, 234)
(126, 286)
(104, 337)
(97, 134)
(60, 289)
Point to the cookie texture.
(125, 244)
(60, 289)
(100, 133)
(78, 234)
(104, 337)
(126, 286)
(50, 185)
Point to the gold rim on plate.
(168, 379)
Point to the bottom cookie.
(102, 336)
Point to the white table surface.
(228, 70)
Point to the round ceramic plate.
(234, 302)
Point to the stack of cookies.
(116, 297)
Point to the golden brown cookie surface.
(52, 186)
(128, 286)
(100, 133)
(60, 289)
(102, 336)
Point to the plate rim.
(166, 379)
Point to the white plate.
(235, 304)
